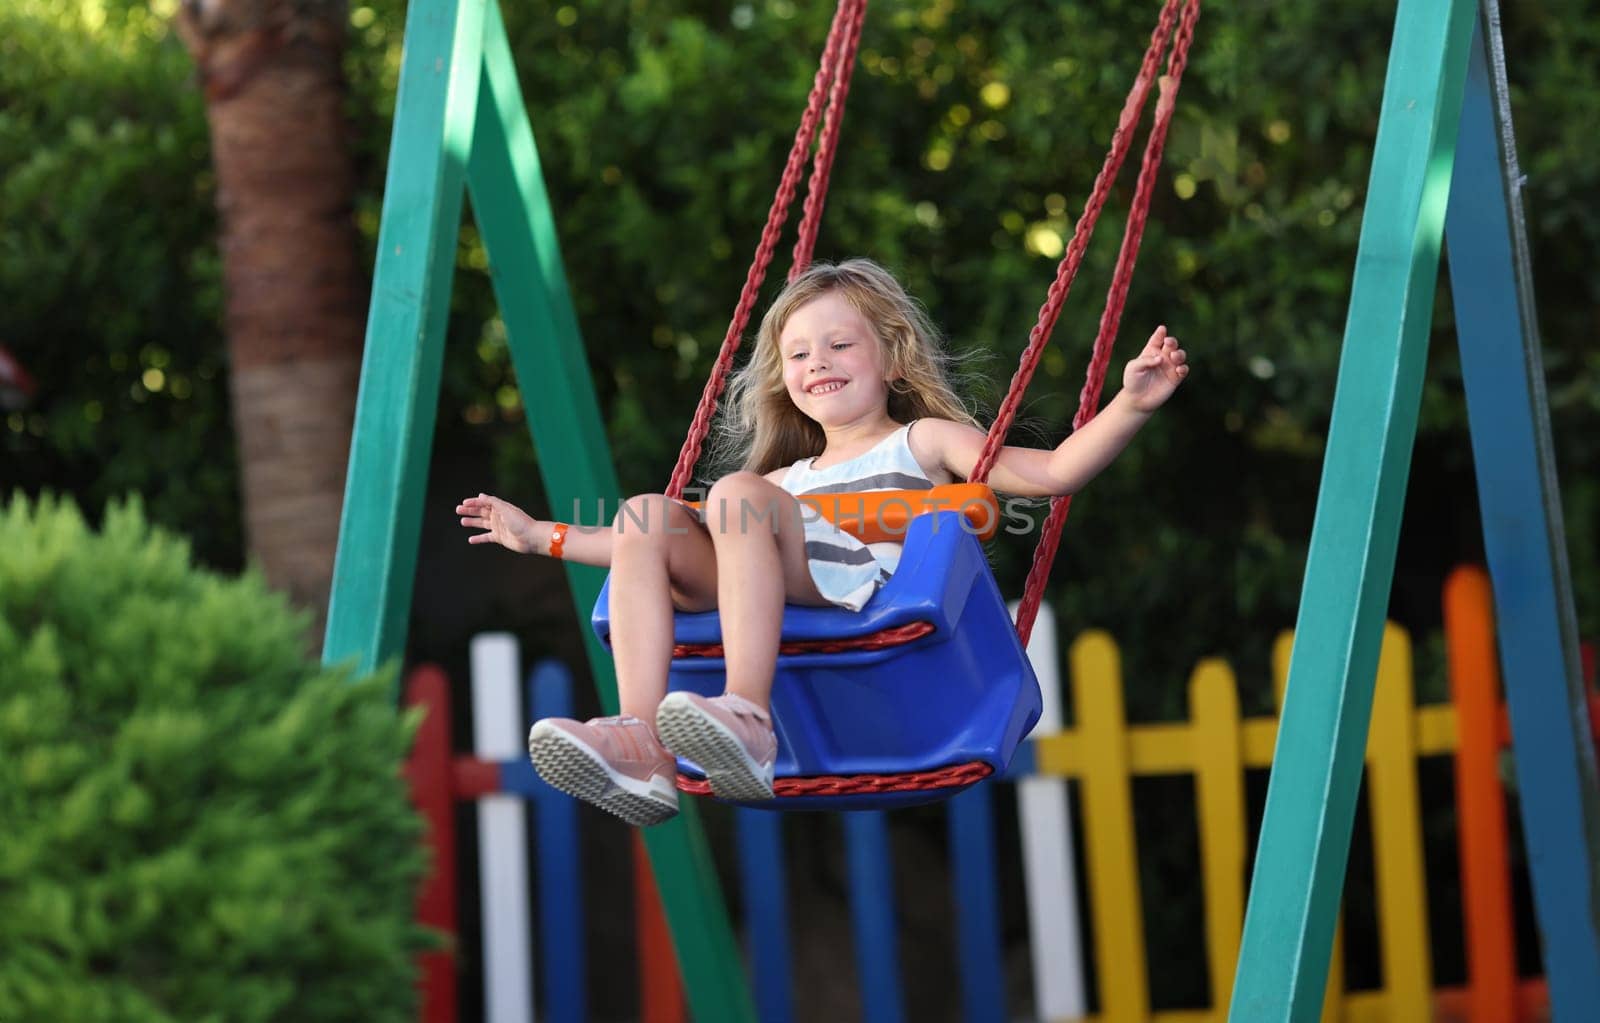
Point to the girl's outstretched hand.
(504, 523)
(1150, 379)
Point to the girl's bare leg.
(661, 556)
(759, 537)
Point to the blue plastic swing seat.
(962, 693)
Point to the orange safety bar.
(884, 515)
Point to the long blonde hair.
(762, 430)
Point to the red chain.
(700, 427)
(837, 63)
(822, 167)
(883, 638)
(1121, 142)
(952, 777)
(1089, 398)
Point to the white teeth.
(825, 389)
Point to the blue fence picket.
(872, 913)
(561, 926)
(971, 821)
(766, 912)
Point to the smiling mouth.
(825, 388)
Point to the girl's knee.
(741, 484)
(744, 503)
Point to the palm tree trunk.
(295, 292)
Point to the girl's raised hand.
(504, 523)
(1156, 372)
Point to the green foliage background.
(974, 131)
(110, 278)
(200, 823)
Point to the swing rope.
(833, 79)
(1067, 269)
(828, 147)
(1089, 398)
(838, 57)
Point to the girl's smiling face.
(833, 362)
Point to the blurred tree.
(273, 82)
(109, 281)
(974, 130)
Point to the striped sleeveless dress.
(848, 572)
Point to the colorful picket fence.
(502, 785)
(1103, 754)
(1216, 746)
(498, 778)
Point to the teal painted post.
(514, 216)
(393, 435)
(1305, 832)
(1503, 370)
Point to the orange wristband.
(558, 536)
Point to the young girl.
(846, 391)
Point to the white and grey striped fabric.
(848, 572)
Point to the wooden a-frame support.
(1437, 120)
(460, 123)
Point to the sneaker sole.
(733, 773)
(580, 772)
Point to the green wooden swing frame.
(461, 127)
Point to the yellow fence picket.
(1397, 835)
(1219, 802)
(1113, 859)
(1217, 745)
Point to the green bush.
(200, 824)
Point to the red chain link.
(822, 168)
(700, 427)
(1089, 398)
(883, 638)
(1067, 270)
(953, 777)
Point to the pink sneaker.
(728, 737)
(615, 763)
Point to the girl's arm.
(1147, 382)
(515, 530)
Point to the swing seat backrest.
(878, 516)
(942, 679)
(886, 515)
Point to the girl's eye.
(796, 355)
(841, 345)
